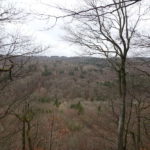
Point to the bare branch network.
(13, 45)
(109, 8)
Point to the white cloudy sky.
(37, 28)
(53, 36)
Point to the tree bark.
(121, 124)
(28, 136)
(23, 135)
(138, 129)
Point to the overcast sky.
(36, 27)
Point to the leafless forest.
(97, 101)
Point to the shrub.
(56, 103)
(44, 100)
(46, 72)
(61, 72)
(78, 107)
(32, 67)
(108, 84)
(101, 98)
(74, 126)
(99, 109)
(71, 73)
(39, 111)
(76, 69)
(82, 76)
(29, 115)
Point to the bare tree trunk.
(121, 125)
(128, 123)
(28, 136)
(134, 140)
(51, 133)
(23, 135)
(138, 129)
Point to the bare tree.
(15, 51)
(15, 48)
(13, 45)
(109, 8)
(109, 31)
